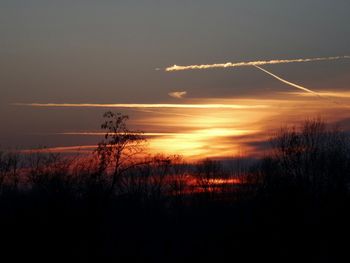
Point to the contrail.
(251, 63)
(287, 82)
(300, 87)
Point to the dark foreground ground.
(282, 228)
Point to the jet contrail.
(252, 63)
(300, 87)
(287, 82)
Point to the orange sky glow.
(219, 128)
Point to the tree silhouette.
(9, 170)
(119, 149)
(207, 171)
(314, 158)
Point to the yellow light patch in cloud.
(221, 132)
(197, 144)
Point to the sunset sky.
(64, 63)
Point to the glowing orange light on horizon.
(201, 132)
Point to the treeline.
(149, 178)
(118, 204)
(313, 159)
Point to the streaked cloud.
(102, 133)
(177, 94)
(182, 106)
(336, 94)
(252, 63)
(63, 149)
(193, 144)
(218, 132)
(215, 132)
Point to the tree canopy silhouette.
(119, 149)
(313, 158)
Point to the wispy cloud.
(335, 94)
(177, 94)
(192, 144)
(160, 105)
(251, 63)
(210, 132)
(214, 133)
(103, 133)
(63, 149)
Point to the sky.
(116, 52)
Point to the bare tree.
(9, 170)
(207, 172)
(314, 157)
(50, 172)
(119, 150)
(158, 180)
(181, 177)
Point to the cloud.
(63, 149)
(220, 132)
(336, 94)
(177, 94)
(159, 105)
(252, 63)
(214, 133)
